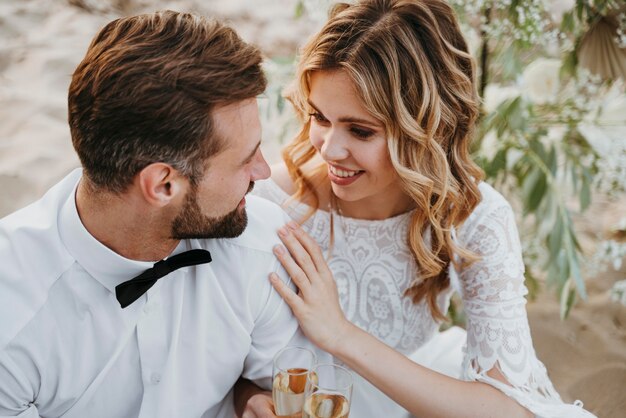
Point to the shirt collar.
(102, 263)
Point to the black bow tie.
(131, 290)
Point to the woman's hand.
(316, 305)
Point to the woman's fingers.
(290, 297)
(311, 247)
(294, 271)
(298, 252)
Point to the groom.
(119, 294)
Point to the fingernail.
(283, 232)
(293, 225)
(279, 249)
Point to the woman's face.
(353, 144)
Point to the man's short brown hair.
(145, 90)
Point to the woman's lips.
(342, 181)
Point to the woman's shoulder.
(490, 198)
(492, 210)
(280, 187)
(277, 188)
(282, 179)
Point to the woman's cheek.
(315, 137)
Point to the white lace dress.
(373, 265)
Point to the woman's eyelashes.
(357, 131)
(360, 132)
(319, 118)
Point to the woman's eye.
(318, 117)
(361, 133)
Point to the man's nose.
(261, 169)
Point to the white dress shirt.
(67, 349)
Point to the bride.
(380, 178)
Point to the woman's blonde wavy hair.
(411, 68)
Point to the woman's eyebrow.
(349, 119)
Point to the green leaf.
(552, 161)
(515, 117)
(509, 115)
(575, 267)
(538, 148)
(568, 24)
(563, 268)
(532, 284)
(280, 103)
(574, 176)
(585, 194)
(555, 238)
(580, 5)
(569, 64)
(568, 297)
(497, 164)
(299, 12)
(509, 63)
(533, 189)
(571, 233)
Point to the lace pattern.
(373, 265)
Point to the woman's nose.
(334, 147)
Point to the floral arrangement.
(553, 133)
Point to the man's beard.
(191, 223)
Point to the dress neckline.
(301, 205)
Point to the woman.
(381, 178)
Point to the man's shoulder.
(32, 232)
(32, 257)
(264, 219)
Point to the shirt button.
(155, 378)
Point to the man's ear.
(160, 184)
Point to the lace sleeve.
(498, 334)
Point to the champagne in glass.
(327, 394)
(291, 368)
(326, 405)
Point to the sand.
(41, 42)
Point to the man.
(164, 119)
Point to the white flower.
(557, 8)
(474, 42)
(541, 80)
(554, 136)
(618, 292)
(605, 126)
(495, 94)
(613, 110)
(608, 141)
(489, 145)
(512, 157)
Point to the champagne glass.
(328, 392)
(291, 367)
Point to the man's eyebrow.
(348, 119)
(249, 157)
